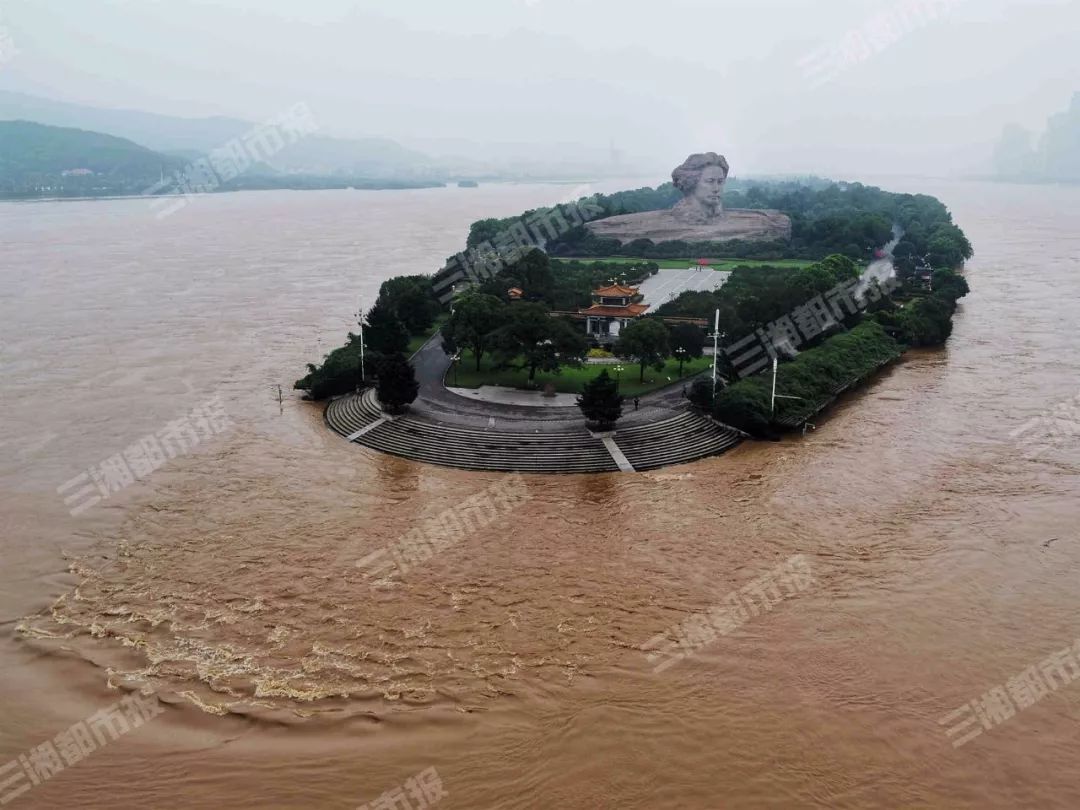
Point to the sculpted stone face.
(709, 192)
(700, 215)
(701, 179)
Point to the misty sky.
(655, 79)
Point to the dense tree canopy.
(530, 338)
(397, 386)
(383, 332)
(411, 300)
(755, 296)
(475, 317)
(405, 305)
(646, 342)
(810, 380)
(687, 342)
(562, 285)
(339, 373)
(926, 321)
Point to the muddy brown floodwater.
(945, 561)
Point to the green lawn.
(416, 341)
(571, 380)
(682, 264)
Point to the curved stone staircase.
(686, 437)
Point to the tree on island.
(532, 273)
(646, 342)
(412, 301)
(383, 332)
(948, 247)
(338, 374)
(687, 343)
(532, 339)
(397, 386)
(475, 319)
(601, 402)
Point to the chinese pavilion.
(612, 308)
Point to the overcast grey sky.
(656, 79)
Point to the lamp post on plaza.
(618, 376)
(680, 353)
(715, 350)
(360, 320)
(454, 361)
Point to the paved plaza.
(667, 285)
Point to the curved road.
(438, 403)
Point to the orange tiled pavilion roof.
(616, 291)
(605, 311)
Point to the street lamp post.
(715, 350)
(772, 400)
(680, 353)
(454, 361)
(360, 320)
(618, 376)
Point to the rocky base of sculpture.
(663, 226)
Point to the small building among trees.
(612, 309)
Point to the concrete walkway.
(667, 285)
(439, 403)
(499, 395)
(617, 455)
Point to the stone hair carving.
(701, 179)
(686, 176)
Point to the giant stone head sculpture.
(701, 179)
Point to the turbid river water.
(945, 553)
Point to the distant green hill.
(44, 161)
(315, 154)
(35, 157)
